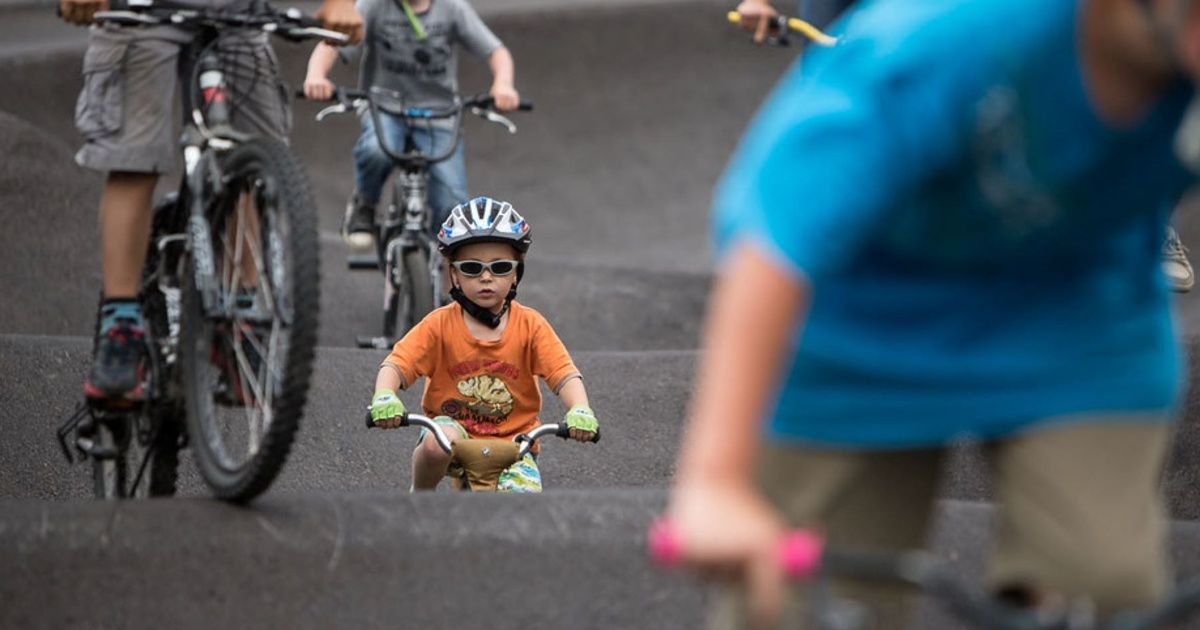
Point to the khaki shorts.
(1079, 511)
(127, 111)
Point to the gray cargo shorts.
(127, 111)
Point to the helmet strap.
(479, 313)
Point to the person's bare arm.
(80, 12)
(503, 90)
(722, 521)
(317, 86)
(341, 16)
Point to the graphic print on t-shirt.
(485, 398)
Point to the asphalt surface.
(637, 108)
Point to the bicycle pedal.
(362, 261)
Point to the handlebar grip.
(800, 551)
(371, 422)
(525, 106)
(563, 431)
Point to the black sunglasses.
(473, 268)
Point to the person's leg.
(126, 115)
(448, 178)
(371, 169)
(1081, 514)
(870, 500)
(430, 462)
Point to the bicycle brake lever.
(495, 117)
(339, 108)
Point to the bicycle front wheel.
(412, 297)
(246, 370)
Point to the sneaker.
(358, 226)
(1175, 263)
(118, 369)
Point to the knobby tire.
(276, 351)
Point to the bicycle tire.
(412, 298)
(108, 473)
(265, 357)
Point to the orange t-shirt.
(489, 387)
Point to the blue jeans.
(447, 179)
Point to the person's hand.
(386, 409)
(341, 16)
(726, 531)
(318, 88)
(756, 17)
(505, 97)
(80, 12)
(582, 423)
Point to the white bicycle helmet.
(482, 220)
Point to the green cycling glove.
(386, 406)
(581, 417)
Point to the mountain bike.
(413, 269)
(805, 557)
(229, 290)
(478, 464)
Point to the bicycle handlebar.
(375, 99)
(781, 24)
(804, 555)
(526, 439)
(291, 24)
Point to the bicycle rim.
(246, 373)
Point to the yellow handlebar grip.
(734, 17)
(811, 32)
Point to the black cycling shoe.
(358, 225)
(118, 369)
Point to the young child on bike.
(482, 356)
(411, 48)
(941, 229)
(126, 115)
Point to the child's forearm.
(573, 393)
(321, 61)
(503, 69)
(389, 378)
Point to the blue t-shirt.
(984, 251)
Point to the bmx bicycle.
(229, 289)
(413, 269)
(477, 464)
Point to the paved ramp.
(638, 107)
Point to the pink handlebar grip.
(662, 543)
(800, 552)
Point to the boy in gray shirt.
(409, 47)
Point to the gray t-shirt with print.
(424, 71)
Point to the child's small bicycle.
(481, 464)
(404, 240)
